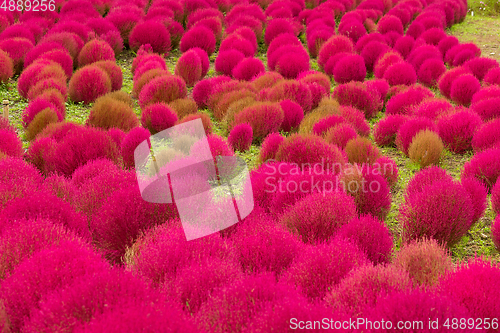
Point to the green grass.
(483, 7)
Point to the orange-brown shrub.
(234, 108)
(205, 119)
(426, 148)
(224, 88)
(361, 150)
(122, 96)
(264, 117)
(109, 112)
(184, 106)
(229, 98)
(266, 80)
(146, 78)
(114, 72)
(39, 122)
(326, 107)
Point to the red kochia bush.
(492, 77)
(198, 36)
(46, 271)
(293, 115)
(485, 166)
(371, 235)
(319, 268)
(11, 144)
(335, 44)
(448, 78)
(401, 73)
(458, 129)
(409, 129)
(227, 60)
(317, 217)
(304, 149)
(276, 27)
(270, 146)
(424, 260)
(241, 136)
(264, 118)
(230, 309)
(293, 90)
(6, 67)
(487, 136)
(363, 286)
(122, 218)
(372, 52)
(430, 71)
(404, 100)
(158, 117)
(37, 72)
(78, 147)
(350, 68)
(150, 32)
(24, 237)
(480, 66)
(16, 48)
(45, 205)
(162, 89)
(88, 83)
(356, 94)
(95, 50)
(418, 305)
(62, 57)
(189, 67)
(442, 210)
(386, 129)
(463, 88)
(130, 143)
(478, 194)
(388, 59)
(487, 109)
(247, 69)
(478, 275)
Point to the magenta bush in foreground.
(363, 286)
(463, 88)
(418, 305)
(189, 67)
(409, 129)
(319, 268)
(468, 284)
(163, 89)
(371, 235)
(317, 217)
(485, 166)
(401, 73)
(46, 271)
(443, 211)
(89, 83)
(150, 32)
(11, 144)
(247, 69)
(458, 129)
(478, 194)
(158, 117)
(387, 128)
(487, 136)
(227, 60)
(240, 137)
(270, 146)
(293, 115)
(95, 50)
(350, 68)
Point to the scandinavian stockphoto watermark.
(177, 166)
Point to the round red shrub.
(449, 77)
(317, 217)
(350, 68)
(227, 60)
(264, 118)
(88, 83)
(404, 45)
(93, 51)
(487, 109)
(141, 35)
(485, 166)
(308, 149)
(401, 73)
(430, 71)
(386, 129)
(241, 136)
(16, 48)
(130, 143)
(480, 66)
(276, 27)
(293, 115)
(409, 129)
(189, 67)
(11, 144)
(478, 275)
(478, 194)
(463, 88)
(363, 286)
(492, 77)
(198, 36)
(457, 130)
(356, 94)
(319, 268)
(442, 210)
(487, 136)
(247, 69)
(6, 67)
(292, 64)
(390, 23)
(158, 117)
(388, 59)
(39, 71)
(270, 146)
(334, 45)
(114, 72)
(293, 90)
(372, 52)
(162, 89)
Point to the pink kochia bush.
(357, 95)
(163, 89)
(270, 146)
(487, 136)
(317, 217)
(478, 275)
(158, 117)
(126, 208)
(317, 269)
(153, 33)
(11, 144)
(88, 83)
(189, 67)
(463, 88)
(416, 304)
(442, 209)
(457, 130)
(247, 69)
(46, 271)
(401, 73)
(371, 235)
(227, 60)
(198, 36)
(293, 115)
(265, 118)
(95, 50)
(130, 143)
(363, 286)
(387, 128)
(349, 68)
(409, 129)
(485, 166)
(240, 137)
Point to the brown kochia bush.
(184, 107)
(425, 260)
(361, 150)
(327, 107)
(110, 112)
(426, 148)
(41, 120)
